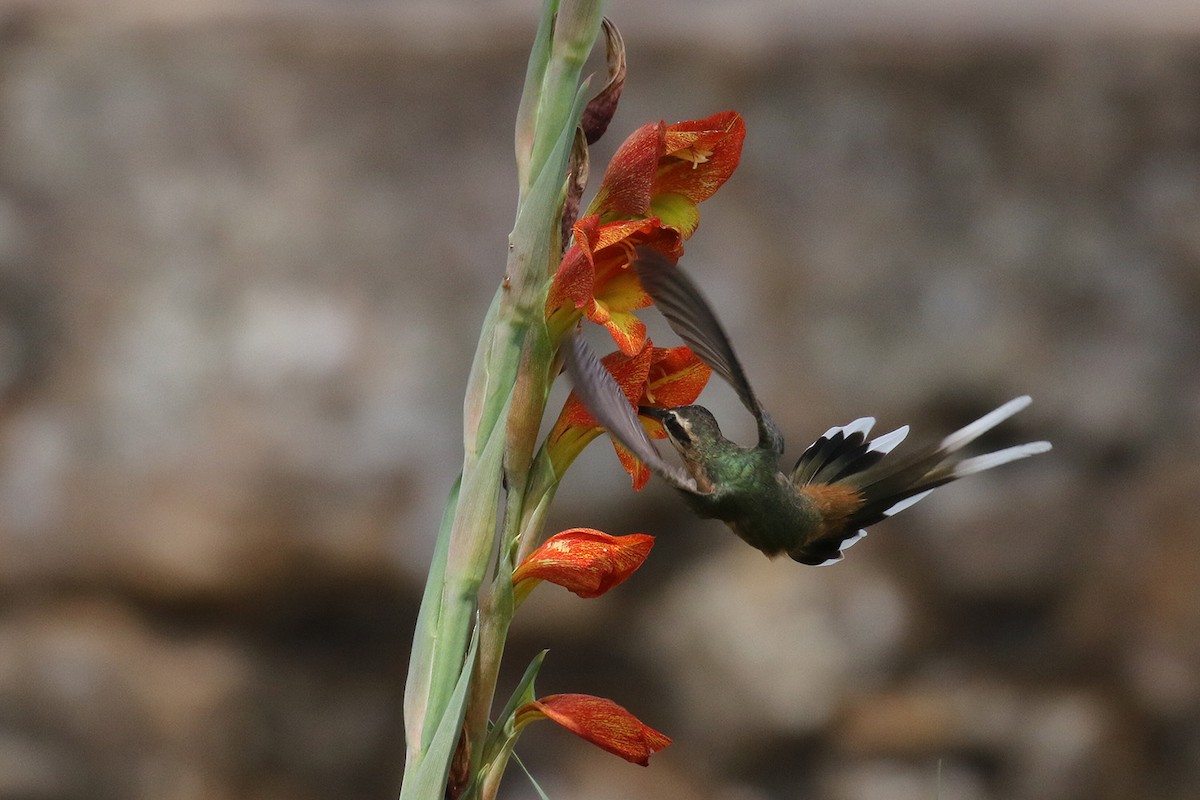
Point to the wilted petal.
(601, 722)
(585, 561)
(577, 178)
(600, 109)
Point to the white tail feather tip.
(846, 543)
(907, 502)
(861, 425)
(970, 433)
(888, 442)
(969, 466)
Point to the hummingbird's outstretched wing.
(606, 402)
(690, 316)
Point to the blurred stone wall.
(245, 249)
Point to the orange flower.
(594, 275)
(665, 171)
(585, 561)
(599, 721)
(649, 197)
(661, 377)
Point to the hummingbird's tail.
(843, 457)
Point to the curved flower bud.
(601, 722)
(585, 561)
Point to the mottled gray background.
(245, 248)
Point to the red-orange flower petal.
(601, 722)
(628, 183)
(576, 273)
(700, 155)
(639, 473)
(595, 276)
(676, 377)
(585, 561)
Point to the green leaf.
(495, 616)
(529, 775)
(493, 376)
(428, 780)
(420, 663)
(575, 32)
(534, 239)
(529, 403)
(542, 488)
(480, 415)
(472, 537)
(521, 695)
(502, 738)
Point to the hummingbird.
(841, 485)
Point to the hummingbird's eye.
(677, 429)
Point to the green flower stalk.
(506, 395)
(487, 558)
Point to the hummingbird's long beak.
(656, 414)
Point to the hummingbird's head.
(689, 428)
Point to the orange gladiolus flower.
(649, 197)
(599, 721)
(594, 276)
(662, 377)
(585, 561)
(665, 171)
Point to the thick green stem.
(506, 397)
